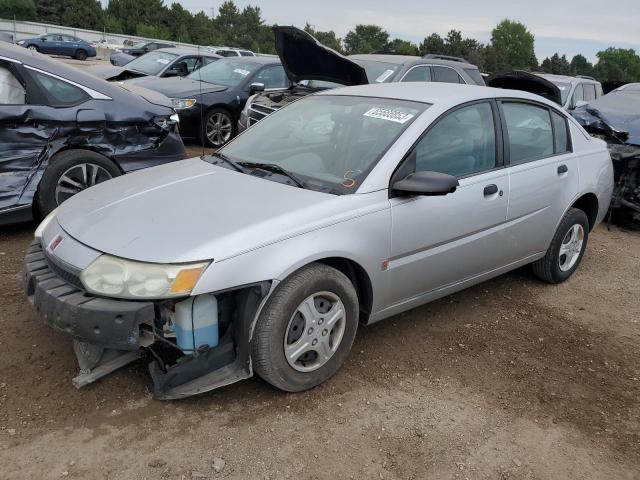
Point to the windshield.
(228, 72)
(565, 88)
(378, 72)
(329, 142)
(151, 63)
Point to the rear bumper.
(60, 304)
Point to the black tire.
(33, 47)
(61, 163)
(209, 115)
(81, 54)
(268, 349)
(548, 267)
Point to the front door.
(442, 240)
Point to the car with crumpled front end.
(342, 209)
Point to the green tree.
(82, 14)
(178, 20)
(432, 44)
(201, 30)
(618, 65)
(513, 46)
(18, 9)
(138, 12)
(49, 11)
(581, 66)
(111, 24)
(153, 31)
(402, 47)
(328, 39)
(365, 39)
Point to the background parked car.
(164, 62)
(312, 67)
(141, 48)
(63, 130)
(119, 59)
(60, 44)
(209, 100)
(231, 52)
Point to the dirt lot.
(512, 379)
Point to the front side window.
(227, 72)
(331, 142)
(445, 75)
(421, 73)
(11, 90)
(529, 132)
(58, 92)
(273, 77)
(460, 144)
(151, 63)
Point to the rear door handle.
(490, 190)
(562, 169)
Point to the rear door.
(543, 175)
(444, 74)
(440, 241)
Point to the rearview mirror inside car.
(256, 87)
(426, 183)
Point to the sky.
(564, 26)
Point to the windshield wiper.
(275, 168)
(226, 159)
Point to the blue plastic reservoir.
(196, 322)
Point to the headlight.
(182, 103)
(21, 42)
(120, 278)
(43, 224)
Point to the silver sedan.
(340, 210)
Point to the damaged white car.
(343, 208)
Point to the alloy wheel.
(218, 129)
(315, 331)
(78, 178)
(571, 247)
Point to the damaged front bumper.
(110, 333)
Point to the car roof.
(434, 93)
(409, 59)
(188, 51)
(564, 78)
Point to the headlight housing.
(43, 224)
(119, 278)
(183, 103)
(20, 42)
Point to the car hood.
(615, 115)
(528, 82)
(192, 210)
(176, 87)
(304, 58)
(149, 95)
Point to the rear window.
(475, 75)
(58, 92)
(445, 75)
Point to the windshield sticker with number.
(385, 75)
(389, 114)
(242, 72)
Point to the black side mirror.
(426, 183)
(256, 87)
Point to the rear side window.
(58, 92)
(475, 75)
(561, 130)
(460, 144)
(11, 90)
(421, 73)
(244, 53)
(529, 132)
(445, 75)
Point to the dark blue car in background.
(60, 44)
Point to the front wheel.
(33, 48)
(566, 249)
(306, 329)
(218, 127)
(70, 172)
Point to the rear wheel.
(69, 173)
(306, 329)
(81, 54)
(218, 127)
(566, 249)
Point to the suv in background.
(231, 52)
(312, 67)
(574, 90)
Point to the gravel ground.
(512, 379)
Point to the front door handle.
(490, 190)
(562, 169)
